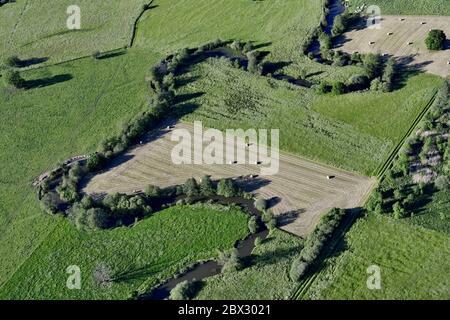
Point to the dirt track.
(300, 191)
(407, 41)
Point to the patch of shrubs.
(315, 242)
(436, 40)
(399, 195)
(12, 78)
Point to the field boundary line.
(335, 242)
(382, 170)
(145, 7)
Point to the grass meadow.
(50, 123)
(38, 29)
(436, 214)
(267, 276)
(349, 131)
(415, 7)
(150, 251)
(413, 261)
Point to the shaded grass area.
(266, 277)
(435, 215)
(354, 131)
(416, 7)
(47, 124)
(413, 263)
(38, 29)
(150, 251)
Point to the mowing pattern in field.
(300, 188)
(407, 41)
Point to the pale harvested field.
(300, 191)
(404, 32)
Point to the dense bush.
(436, 40)
(13, 78)
(372, 64)
(14, 62)
(314, 243)
(153, 191)
(182, 291)
(230, 261)
(227, 188)
(191, 188)
(261, 204)
(343, 22)
(338, 88)
(121, 205)
(253, 225)
(207, 187)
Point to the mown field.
(266, 278)
(148, 252)
(414, 263)
(38, 29)
(151, 163)
(417, 7)
(354, 131)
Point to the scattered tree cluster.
(342, 22)
(422, 166)
(378, 75)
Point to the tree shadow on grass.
(406, 68)
(288, 217)
(270, 257)
(112, 55)
(46, 82)
(32, 61)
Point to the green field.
(281, 24)
(436, 214)
(415, 7)
(354, 131)
(38, 29)
(266, 278)
(71, 107)
(42, 126)
(149, 252)
(414, 263)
